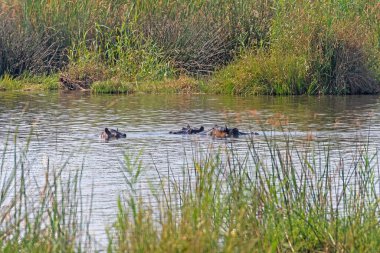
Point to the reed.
(268, 47)
(198, 36)
(323, 48)
(280, 196)
(39, 213)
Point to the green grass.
(300, 201)
(180, 85)
(258, 74)
(315, 48)
(38, 215)
(281, 195)
(243, 47)
(29, 82)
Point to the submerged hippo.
(219, 132)
(188, 130)
(224, 132)
(108, 134)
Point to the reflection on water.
(66, 126)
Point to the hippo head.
(117, 134)
(218, 133)
(112, 133)
(234, 132)
(122, 135)
(106, 134)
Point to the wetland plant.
(280, 196)
(235, 47)
(39, 213)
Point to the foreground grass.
(39, 214)
(299, 201)
(279, 196)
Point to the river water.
(65, 127)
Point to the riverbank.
(228, 47)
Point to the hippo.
(234, 132)
(219, 132)
(224, 132)
(108, 134)
(188, 130)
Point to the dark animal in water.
(219, 132)
(188, 130)
(224, 132)
(112, 134)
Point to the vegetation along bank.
(222, 46)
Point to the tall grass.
(281, 195)
(269, 47)
(140, 38)
(278, 197)
(39, 214)
(28, 50)
(157, 40)
(198, 36)
(116, 55)
(36, 34)
(323, 47)
(338, 40)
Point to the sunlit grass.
(180, 85)
(263, 73)
(29, 82)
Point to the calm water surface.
(66, 127)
